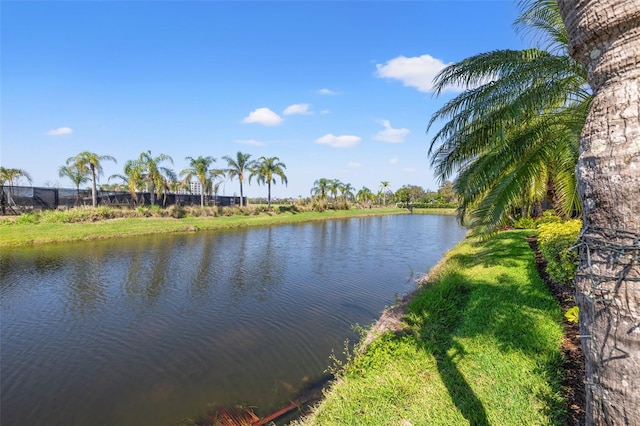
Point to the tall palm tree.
(77, 174)
(147, 168)
(512, 137)
(199, 167)
(604, 37)
(93, 162)
(334, 187)
(385, 187)
(237, 167)
(10, 176)
(320, 188)
(346, 191)
(266, 169)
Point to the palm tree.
(237, 169)
(320, 188)
(603, 36)
(77, 174)
(346, 190)
(385, 187)
(266, 170)
(334, 187)
(198, 167)
(93, 162)
(147, 168)
(512, 138)
(10, 176)
(365, 196)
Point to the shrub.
(555, 242)
(548, 216)
(524, 223)
(27, 218)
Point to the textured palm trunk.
(94, 189)
(605, 36)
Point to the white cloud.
(325, 111)
(328, 92)
(409, 169)
(417, 71)
(342, 141)
(297, 109)
(393, 161)
(354, 164)
(391, 135)
(251, 142)
(263, 116)
(60, 131)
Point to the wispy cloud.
(393, 160)
(251, 142)
(325, 111)
(353, 164)
(328, 92)
(391, 135)
(263, 116)
(409, 170)
(60, 131)
(416, 71)
(342, 141)
(297, 109)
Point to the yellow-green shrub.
(555, 241)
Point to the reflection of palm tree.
(77, 174)
(198, 167)
(93, 162)
(10, 176)
(237, 169)
(513, 139)
(266, 170)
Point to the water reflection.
(151, 330)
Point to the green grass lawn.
(481, 346)
(21, 234)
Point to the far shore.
(31, 234)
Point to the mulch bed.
(573, 381)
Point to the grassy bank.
(20, 233)
(480, 345)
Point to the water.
(157, 329)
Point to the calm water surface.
(157, 329)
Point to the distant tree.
(266, 170)
(93, 162)
(237, 168)
(78, 174)
(385, 187)
(147, 168)
(199, 167)
(10, 176)
(346, 191)
(320, 188)
(334, 187)
(447, 192)
(365, 196)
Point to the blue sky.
(339, 90)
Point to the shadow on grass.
(506, 309)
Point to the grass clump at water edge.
(480, 345)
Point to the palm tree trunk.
(269, 195)
(241, 195)
(605, 36)
(94, 189)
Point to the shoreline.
(13, 235)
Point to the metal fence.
(19, 199)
